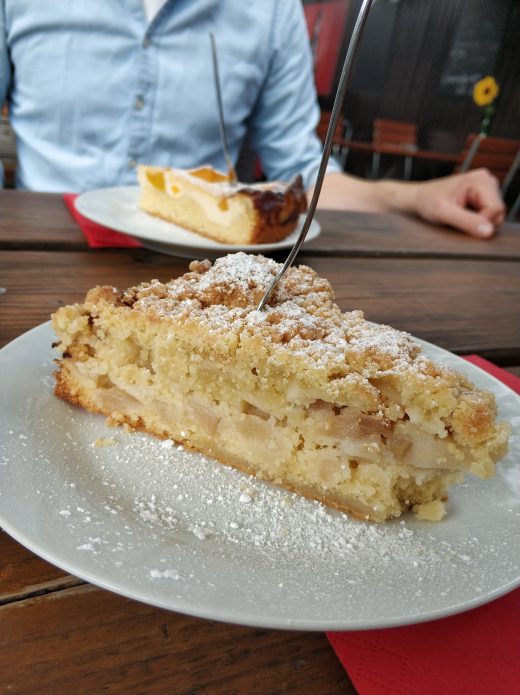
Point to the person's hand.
(470, 202)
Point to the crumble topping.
(301, 314)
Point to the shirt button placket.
(139, 120)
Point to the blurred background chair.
(500, 155)
(7, 148)
(515, 209)
(393, 137)
(342, 135)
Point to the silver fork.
(336, 111)
(216, 79)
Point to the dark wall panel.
(423, 33)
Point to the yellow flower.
(485, 91)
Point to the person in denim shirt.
(94, 88)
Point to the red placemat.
(96, 235)
(473, 653)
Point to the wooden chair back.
(339, 133)
(394, 134)
(7, 148)
(500, 155)
(342, 135)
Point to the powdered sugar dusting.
(180, 497)
(301, 316)
(240, 272)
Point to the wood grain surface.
(23, 574)
(42, 221)
(37, 220)
(389, 235)
(85, 640)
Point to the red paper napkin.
(473, 653)
(96, 235)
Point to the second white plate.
(118, 209)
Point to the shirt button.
(132, 164)
(139, 103)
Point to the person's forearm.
(344, 192)
(395, 196)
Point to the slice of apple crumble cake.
(315, 400)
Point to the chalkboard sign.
(475, 46)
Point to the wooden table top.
(61, 635)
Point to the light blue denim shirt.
(93, 89)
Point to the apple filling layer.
(317, 401)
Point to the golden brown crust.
(66, 390)
(277, 212)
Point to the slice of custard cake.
(318, 401)
(204, 201)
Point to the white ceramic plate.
(118, 209)
(180, 531)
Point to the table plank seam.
(403, 254)
(406, 254)
(44, 589)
